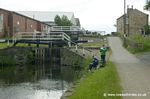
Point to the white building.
(48, 17)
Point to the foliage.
(92, 44)
(62, 21)
(65, 21)
(98, 82)
(7, 60)
(4, 45)
(57, 20)
(139, 39)
(147, 5)
(83, 70)
(30, 57)
(147, 29)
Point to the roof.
(17, 13)
(131, 9)
(120, 17)
(45, 15)
(139, 11)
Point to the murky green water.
(34, 82)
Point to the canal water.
(34, 81)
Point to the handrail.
(41, 36)
(65, 28)
(83, 49)
(48, 36)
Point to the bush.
(7, 60)
(30, 57)
(141, 40)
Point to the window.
(18, 22)
(1, 22)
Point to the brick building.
(12, 22)
(135, 22)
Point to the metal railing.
(81, 50)
(65, 28)
(52, 36)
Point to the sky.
(98, 15)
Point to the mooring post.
(50, 45)
(69, 43)
(76, 48)
(83, 52)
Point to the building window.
(1, 22)
(127, 20)
(18, 22)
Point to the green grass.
(140, 39)
(92, 44)
(98, 82)
(5, 44)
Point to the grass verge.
(92, 44)
(139, 39)
(5, 44)
(97, 83)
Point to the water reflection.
(34, 82)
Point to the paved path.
(134, 75)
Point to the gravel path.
(134, 75)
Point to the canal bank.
(41, 72)
(97, 84)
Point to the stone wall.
(135, 21)
(70, 58)
(120, 25)
(55, 56)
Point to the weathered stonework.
(135, 21)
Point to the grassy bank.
(139, 39)
(5, 45)
(92, 44)
(97, 83)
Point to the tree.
(65, 21)
(147, 5)
(147, 29)
(62, 21)
(57, 20)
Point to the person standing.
(103, 51)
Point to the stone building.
(135, 22)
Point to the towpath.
(134, 74)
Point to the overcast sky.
(97, 15)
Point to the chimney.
(132, 7)
(127, 6)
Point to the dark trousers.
(103, 59)
(90, 66)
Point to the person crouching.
(94, 63)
